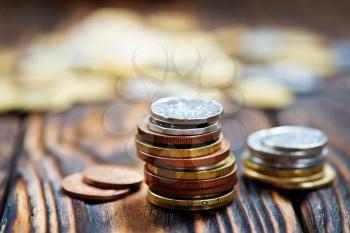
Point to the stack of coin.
(289, 157)
(188, 161)
(102, 183)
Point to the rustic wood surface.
(38, 150)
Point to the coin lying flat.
(190, 152)
(295, 138)
(228, 165)
(204, 160)
(193, 130)
(106, 176)
(327, 178)
(188, 204)
(188, 184)
(156, 138)
(73, 185)
(285, 180)
(290, 157)
(256, 144)
(297, 163)
(174, 192)
(281, 172)
(180, 110)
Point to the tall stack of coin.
(188, 161)
(289, 157)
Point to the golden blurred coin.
(263, 93)
(8, 59)
(178, 153)
(283, 173)
(106, 176)
(327, 177)
(190, 204)
(74, 186)
(201, 173)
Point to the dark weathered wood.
(51, 151)
(10, 138)
(327, 209)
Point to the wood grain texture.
(10, 135)
(327, 210)
(52, 150)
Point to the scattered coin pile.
(188, 161)
(102, 183)
(289, 157)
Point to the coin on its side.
(150, 136)
(74, 186)
(108, 176)
(181, 110)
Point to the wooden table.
(37, 150)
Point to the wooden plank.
(327, 209)
(10, 135)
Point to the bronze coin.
(153, 137)
(108, 176)
(173, 192)
(155, 180)
(74, 186)
(205, 160)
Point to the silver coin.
(177, 126)
(292, 159)
(175, 131)
(181, 110)
(299, 79)
(302, 163)
(295, 138)
(257, 144)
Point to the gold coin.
(277, 179)
(284, 173)
(190, 204)
(328, 176)
(226, 166)
(178, 153)
(259, 92)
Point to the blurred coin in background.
(297, 78)
(260, 92)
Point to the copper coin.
(74, 186)
(155, 180)
(107, 176)
(157, 138)
(173, 192)
(205, 160)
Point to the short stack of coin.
(102, 183)
(289, 157)
(188, 162)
